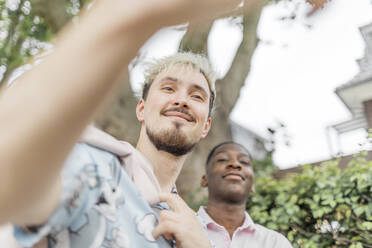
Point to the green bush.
(320, 207)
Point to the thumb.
(162, 229)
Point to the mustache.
(180, 110)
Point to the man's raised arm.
(44, 113)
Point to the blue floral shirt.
(100, 207)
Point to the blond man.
(45, 178)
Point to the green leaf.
(367, 225)
(358, 211)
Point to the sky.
(295, 70)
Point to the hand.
(41, 244)
(180, 223)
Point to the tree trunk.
(196, 39)
(119, 117)
(228, 91)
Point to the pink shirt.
(249, 235)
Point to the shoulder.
(91, 160)
(276, 238)
(84, 153)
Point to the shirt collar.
(247, 224)
(138, 168)
(206, 218)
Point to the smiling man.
(230, 179)
(62, 94)
(181, 97)
(112, 193)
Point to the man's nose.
(181, 104)
(235, 165)
(180, 101)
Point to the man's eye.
(221, 160)
(167, 89)
(197, 97)
(245, 162)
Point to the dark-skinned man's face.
(229, 174)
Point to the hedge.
(320, 207)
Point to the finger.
(167, 215)
(168, 236)
(164, 228)
(174, 201)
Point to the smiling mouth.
(179, 114)
(233, 176)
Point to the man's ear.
(206, 128)
(253, 188)
(204, 181)
(140, 110)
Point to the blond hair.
(195, 61)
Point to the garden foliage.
(320, 207)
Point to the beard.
(171, 141)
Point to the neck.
(166, 166)
(230, 216)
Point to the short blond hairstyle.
(195, 61)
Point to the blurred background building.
(356, 94)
